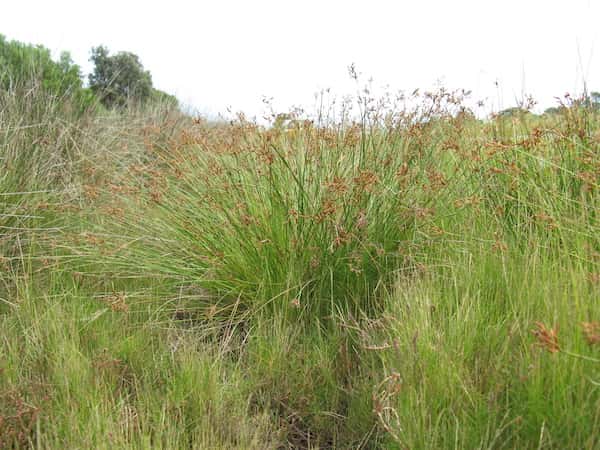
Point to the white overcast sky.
(225, 53)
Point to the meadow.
(389, 278)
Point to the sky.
(227, 55)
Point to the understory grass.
(414, 279)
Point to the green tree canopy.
(594, 99)
(119, 79)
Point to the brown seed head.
(546, 337)
(591, 331)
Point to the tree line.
(117, 80)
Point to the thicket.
(25, 67)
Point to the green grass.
(396, 283)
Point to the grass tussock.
(416, 278)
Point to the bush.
(24, 66)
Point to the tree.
(119, 79)
(593, 100)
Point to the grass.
(415, 280)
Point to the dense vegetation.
(412, 279)
(119, 79)
(26, 68)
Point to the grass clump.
(275, 226)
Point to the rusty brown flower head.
(546, 337)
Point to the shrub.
(24, 66)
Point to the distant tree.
(593, 100)
(119, 79)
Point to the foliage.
(119, 79)
(24, 66)
(594, 99)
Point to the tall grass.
(415, 279)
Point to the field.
(411, 278)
